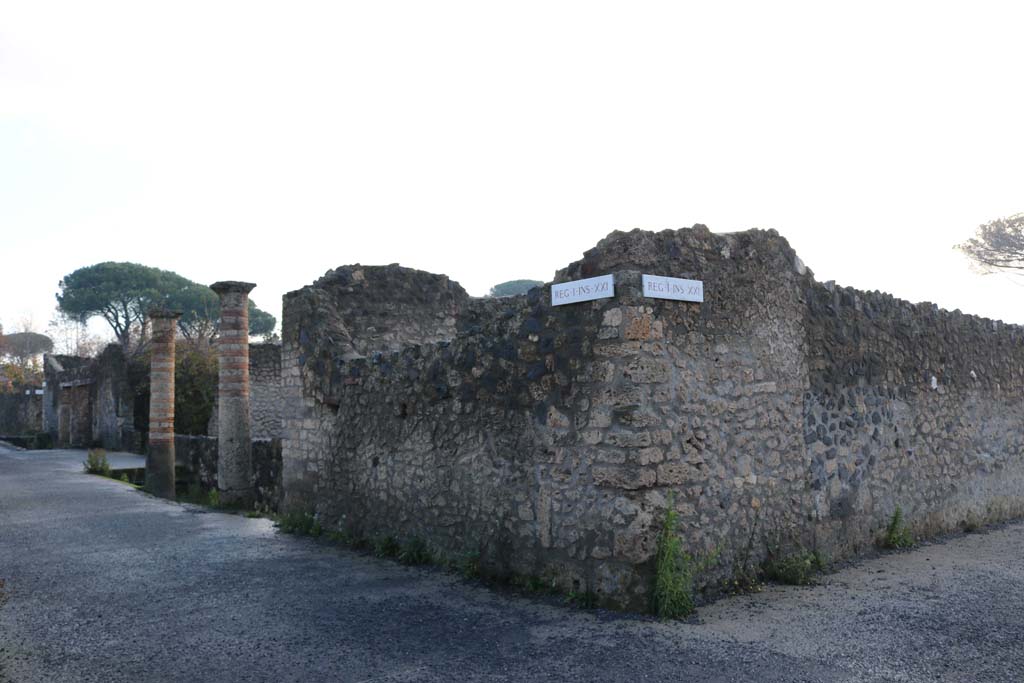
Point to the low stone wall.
(197, 456)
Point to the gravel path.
(103, 583)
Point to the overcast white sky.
(272, 141)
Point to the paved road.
(104, 583)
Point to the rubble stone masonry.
(780, 412)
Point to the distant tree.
(123, 293)
(998, 244)
(261, 323)
(514, 287)
(200, 309)
(25, 346)
(120, 293)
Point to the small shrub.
(300, 524)
(338, 537)
(469, 565)
(415, 551)
(96, 462)
(746, 575)
(124, 478)
(582, 599)
(745, 579)
(357, 541)
(196, 495)
(897, 535)
(531, 583)
(674, 571)
(385, 546)
(798, 569)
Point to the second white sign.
(678, 289)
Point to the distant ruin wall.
(89, 400)
(550, 440)
(21, 413)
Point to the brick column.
(160, 454)
(234, 441)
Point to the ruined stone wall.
(20, 413)
(780, 412)
(265, 390)
(89, 400)
(196, 458)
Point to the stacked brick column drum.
(160, 457)
(234, 471)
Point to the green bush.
(582, 599)
(300, 524)
(897, 535)
(96, 462)
(198, 496)
(798, 569)
(674, 571)
(469, 565)
(415, 551)
(385, 546)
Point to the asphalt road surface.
(104, 583)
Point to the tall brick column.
(234, 446)
(160, 454)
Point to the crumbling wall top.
(383, 308)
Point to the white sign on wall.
(678, 289)
(601, 287)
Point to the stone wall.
(21, 413)
(265, 390)
(265, 397)
(547, 439)
(779, 413)
(196, 458)
(89, 401)
(913, 406)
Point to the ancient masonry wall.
(89, 400)
(197, 456)
(265, 390)
(780, 412)
(265, 393)
(21, 413)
